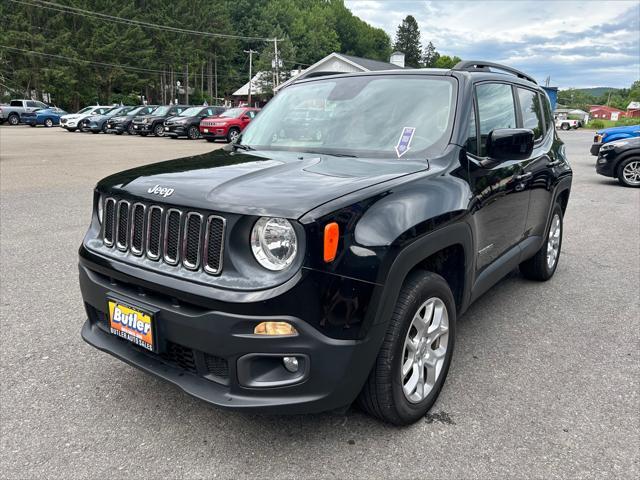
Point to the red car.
(227, 125)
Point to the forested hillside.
(79, 57)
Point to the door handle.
(523, 177)
(555, 163)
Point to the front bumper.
(210, 352)
(116, 127)
(605, 166)
(175, 131)
(213, 132)
(142, 128)
(595, 148)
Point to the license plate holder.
(133, 323)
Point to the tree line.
(77, 59)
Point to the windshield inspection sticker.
(404, 143)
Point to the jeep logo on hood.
(162, 191)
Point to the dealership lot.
(544, 382)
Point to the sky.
(577, 43)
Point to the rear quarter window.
(531, 111)
(16, 103)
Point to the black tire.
(48, 123)
(119, 133)
(158, 130)
(230, 134)
(621, 174)
(95, 131)
(13, 119)
(210, 140)
(104, 128)
(382, 395)
(565, 126)
(142, 134)
(130, 129)
(537, 267)
(32, 124)
(71, 129)
(193, 133)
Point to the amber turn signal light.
(331, 236)
(274, 328)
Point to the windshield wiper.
(240, 146)
(346, 155)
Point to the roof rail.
(318, 74)
(478, 65)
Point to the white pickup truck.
(567, 124)
(11, 113)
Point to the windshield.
(232, 113)
(161, 110)
(190, 112)
(135, 111)
(118, 111)
(85, 109)
(372, 116)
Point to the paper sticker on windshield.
(404, 142)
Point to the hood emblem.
(162, 191)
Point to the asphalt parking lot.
(544, 382)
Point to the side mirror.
(246, 117)
(509, 144)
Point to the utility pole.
(186, 86)
(215, 74)
(250, 52)
(275, 50)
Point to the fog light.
(275, 328)
(291, 364)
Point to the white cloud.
(577, 43)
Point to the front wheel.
(48, 123)
(543, 264)
(233, 135)
(629, 172)
(416, 352)
(158, 130)
(131, 130)
(193, 133)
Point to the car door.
(539, 169)
(500, 202)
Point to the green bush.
(597, 124)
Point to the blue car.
(46, 116)
(611, 134)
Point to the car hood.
(287, 184)
(75, 116)
(150, 118)
(178, 117)
(633, 129)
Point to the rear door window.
(16, 103)
(546, 106)
(32, 104)
(496, 109)
(531, 110)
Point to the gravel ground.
(544, 381)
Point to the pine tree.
(408, 41)
(430, 56)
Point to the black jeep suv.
(124, 123)
(293, 275)
(153, 123)
(187, 123)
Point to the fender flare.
(385, 296)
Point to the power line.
(103, 64)
(88, 13)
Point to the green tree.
(445, 61)
(430, 56)
(408, 41)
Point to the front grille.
(216, 366)
(180, 356)
(173, 236)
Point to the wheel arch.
(623, 157)
(447, 251)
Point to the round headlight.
(100, 208)
(274, 243)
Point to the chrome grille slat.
(214, 244)
(172, 227)
(137, 228)
(122, 225)
(176, 237)
(154, 232)
(191, 241)
(109, 213)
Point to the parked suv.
(124, 123)
(73, 121)
(153, 123)
(98, 123)
(296, 275)
(228, 125)
(186, 123)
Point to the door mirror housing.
(246, 117)
(509, 144)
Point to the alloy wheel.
(48, 122)
(631, 172)
(159, 130)
(13, 120)
(233, 135)
(553, 242)
(425, 349)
